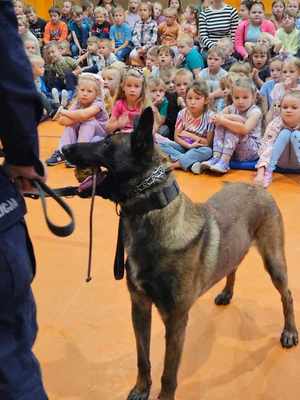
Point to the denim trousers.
(285, 137)
(186, 157)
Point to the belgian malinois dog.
(178, 249)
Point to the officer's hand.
(23, 176)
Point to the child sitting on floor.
(282, 131)
(86, 119)
(193, 131)
(238, 129)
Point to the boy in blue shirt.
(120, 34)
(189, 57)
(80, 30)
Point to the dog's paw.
(223, 299)
(289, 338)
(136, 394)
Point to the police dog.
(179, 249)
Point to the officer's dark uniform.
(20, 377)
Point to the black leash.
(62, 231)
(89, 277)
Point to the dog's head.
(126, 158)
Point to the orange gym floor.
(86, 343)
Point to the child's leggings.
(88, 131)
(242, 147)
(282, 140)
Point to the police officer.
(20, 376)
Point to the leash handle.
(61, 231)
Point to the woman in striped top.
(215, 22)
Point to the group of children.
(101, 66)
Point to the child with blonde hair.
(281, 132)
(86, 120)
(101, 25)
(112, 77)
(290, 81)
(287, 37)
(238, 128)
(158, 12)
(105, 50)
(259, 61)
(169, 30)
(157, 91)
(130, 101)
(91, 60)
(189, 57)
(212, 75)
(144, 34)
(132, 14)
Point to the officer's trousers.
(20, 375)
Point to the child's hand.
(195, 145)
(217, 119)
(123, 120)
(181, 102)
(254, 73)
(288, 83)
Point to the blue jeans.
(186, 157)
(282, 140)
(20, 375)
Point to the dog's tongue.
(88, 182)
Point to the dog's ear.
(142, 138)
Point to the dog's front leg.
(141, 319)
(175, 334)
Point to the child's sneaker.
(221, 167)
(55, 96)
(267, 178)
(196, 168)
(207, 164)
(56, 158)
(64, 98)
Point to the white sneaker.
(64, 98)
(55, 96)
(196, 168)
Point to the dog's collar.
(155, 200)
(158, 175)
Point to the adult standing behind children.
(249, 30)
(215, 22)
(20, 375)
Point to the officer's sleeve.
(20, 106)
